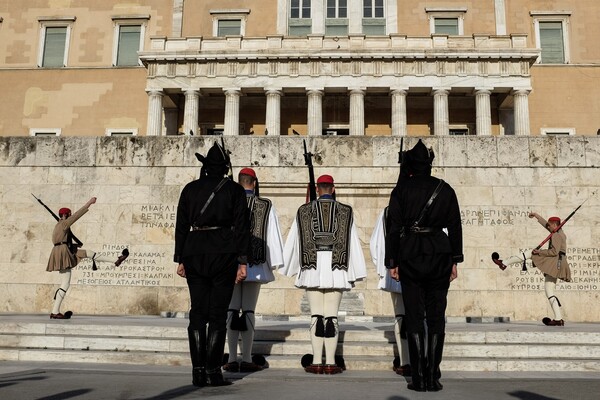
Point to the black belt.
(423, 229)
(58, 244)
(209, 228)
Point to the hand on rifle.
(535, 251)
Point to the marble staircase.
(364, 344)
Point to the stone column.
(357, 112)
(315, 112)
(273, 117)
(441, 120)
(232, 112)
(155, 113)
(399, 123)
(190, 113)
(521, 101)
(483, 112)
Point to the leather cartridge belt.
(423, 229)
(58, 244)
(209, 228)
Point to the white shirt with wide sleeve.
(377, 248)
(323, 277)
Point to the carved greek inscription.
(157, 216)
(486, 216)
(141, 268)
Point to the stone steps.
(364, 346)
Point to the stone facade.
(138, 180)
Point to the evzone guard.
(552, 262)
(66, 253)
(401, 364)
(324, 252)
(266, 255)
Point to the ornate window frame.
(552, 16)
(128, 20)
(444, 12)
(240, 14)
(54, 22)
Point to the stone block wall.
(137, 180)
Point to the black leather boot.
(416, 350)
(435, 348)
(197, 340)
(214, 358)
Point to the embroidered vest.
(259, 216)
(324, 225)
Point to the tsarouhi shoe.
(314, 368)
(553, 322)
(232, 367)
(249, 367)
(122, 257)
(496, 259)
(331, 369)
(66, 315)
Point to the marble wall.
(138, 180)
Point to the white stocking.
(402, 344)
(549, 287)
(517, 259)
(315, 302)
(332, 301)
(61, 292)
(250, 293)
(93, 255)
(233, 336)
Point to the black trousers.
(210, 279)
(425, 282)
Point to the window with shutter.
(128, 45)
(551, 42)
(229, 27)
(55, 39)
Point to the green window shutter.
(54, 46)
(129, 44)
(446, 26)
(551, 41)
(229, 27)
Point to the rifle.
(227, 153)
(539, 246)
(312, 190)
(401, 153)
(78, 243)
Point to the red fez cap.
(248, 171)
(554, 219)
(64, 211)
(325, 179)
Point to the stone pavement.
(166, 375)
(54, 381)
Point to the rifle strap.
(429, 202)
(212, 195)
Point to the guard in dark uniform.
(212, 239)
(423, 257)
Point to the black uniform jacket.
(406, 203)
(228, 211)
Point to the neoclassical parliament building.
(299, 67)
